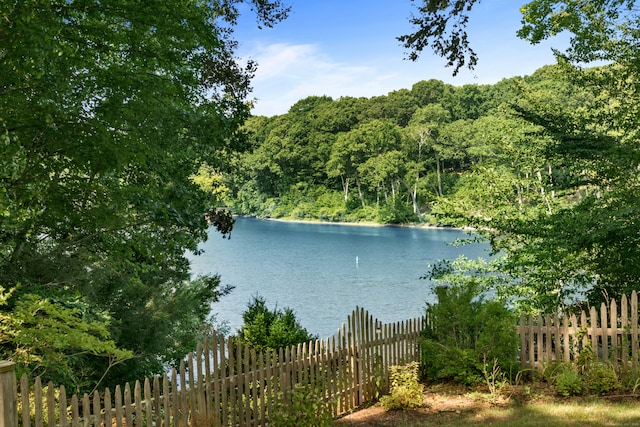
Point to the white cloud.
(289, 72)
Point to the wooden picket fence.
(227, 384)
(612, 333)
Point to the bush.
(568, 383)
(271, 329)
(302, 406)
(464, 332)
(397, 211)
(590, 378)
(600, 378)
(406, 392)
(449, 363)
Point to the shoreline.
(359, 224)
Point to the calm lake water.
(323, 271)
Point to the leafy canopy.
(107, 109)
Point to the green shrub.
(448, 363)
(629, 378)
(551, 369)
(397, 211)
(406, 391)
(600, 378)
(568, 382)
(592, 378)
(302, 406)
(464, 332)
(271, 329)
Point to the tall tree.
(424, 130)
(589, 244)
(107, 109)
(354, 148)
(429, 91)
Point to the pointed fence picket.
(225, 383)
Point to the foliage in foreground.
(464, 334)
(106, 113)
(304, 405)
(271, 329)
(406, 391)
(589, 376)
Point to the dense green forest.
(125, 132)
(418, 155)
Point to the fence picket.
(137, 404)
(147, 403)
(584, 327)
(75, 411)
(189, 389)
(175, 399)
(97, 410)
(24, 400)
(108, 416)
(86, 410)
(531, 347)
(624, 329)
(634, 328)
(118, 406)
(206, 377)
(247, 390)
(523, 334)
(166, 401)
(157, 402)
(128, 410)
(605, 331)
(62, 396)
(230, 383)
(593, 322)
(613, 331)
(183, 392)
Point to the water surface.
(323, 271)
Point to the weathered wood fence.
(612, 333)
(227, 384)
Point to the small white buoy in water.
(356, 260)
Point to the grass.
(589, 413)
(453, 406)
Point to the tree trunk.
(360, 192)
(414, 199)
(345, 187)
(438, 173)
(543, 194)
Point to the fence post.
(8, 395)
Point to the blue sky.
(349, 48)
